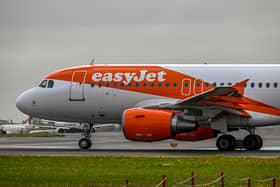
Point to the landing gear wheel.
(226, 143)
(260, 144)
(253, 142)
(85, 143)
(233, 142)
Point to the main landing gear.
(229, 143)
(253, 142)
(85, 143)
(226, 143)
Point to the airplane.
(159, 102)
(17, 128)
(29, 127)
(72, 127)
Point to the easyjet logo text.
(126, 78)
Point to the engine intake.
(153, 125)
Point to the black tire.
(252, 142)
(84, 143)
(260, 142)
(60, 131)
(233, 143)
(226, 143)
(253, 139)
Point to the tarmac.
(115, 144)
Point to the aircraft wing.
(228, 99)
(236, 91)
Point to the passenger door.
(77, 86)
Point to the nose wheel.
(85, 143)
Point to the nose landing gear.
(85, 143)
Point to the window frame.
(41, 83)
(52, 83)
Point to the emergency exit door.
(186, 87)
(77, 86)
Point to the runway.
(115, 144)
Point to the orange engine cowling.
(153, 125)
(200, 134)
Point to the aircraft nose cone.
(24, 101)
(21, 103)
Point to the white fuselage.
(106, 104)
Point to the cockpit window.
(50, 83)
(43, 84)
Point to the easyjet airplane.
(159, 102)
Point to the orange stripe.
(153, 73)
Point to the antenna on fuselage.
(92, 62)
(203, 60)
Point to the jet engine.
(154, 125)
(200, 134)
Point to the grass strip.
(142, 171)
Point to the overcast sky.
(38, 37)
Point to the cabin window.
(43, 84)
(100, 84)
(174, 84)
(152, 85)
(229, 83)
(252, 85)
(186, 85)
(92, 84)
(222, 84)
(144, 85)
(214, 84)
(267, 85)
(167, 85)
(206, 85)
(50, 83)
(122, 84)
(260, 85)
(159, 84)
(198, 85)
(107, 84)
(275, 85)
(137, 84)
(129, 84)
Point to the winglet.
(240, 86)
